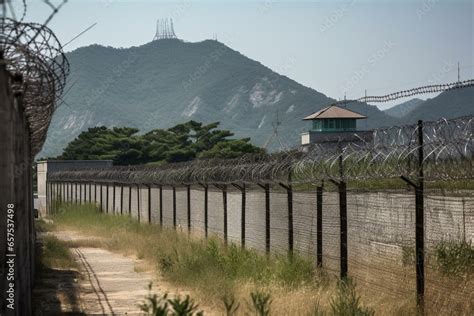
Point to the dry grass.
(212, 270)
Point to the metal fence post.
(161, 205)
(343, 227)
(206, 188)
(149, 204)
(189, 208)
(113, 198)
(130, 201)
(139, 195)
(101, 198)
(107, 199)
(419, 222)
(121, 199)
(244, 201)
(224, 201)
(174, 206)
(420, 231)
(319, 226)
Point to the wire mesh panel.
(182, 208)
(144, 204)
(118, 199)
(97, 194)
(331, 232)
(66, 192)
(445, 218)
(448, 272)
(134, 199)
(87, 193)
(234, 215)
(155, 205)
(103, 197)
(197, 209)
(80, 193)
(126, 200)
(380, 232)
(278, 221)
(110, 197)
(255, 218)
(216, 212)
(304, 217)
(167, 206)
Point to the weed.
(154, 305)
(56, 254)
(230, 304)
(184, 307)
(455, 258)
(317, 310)
(261, 302)
(347, 303)
(408, 255)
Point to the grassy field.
(220, 275)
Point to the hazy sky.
(335, 47)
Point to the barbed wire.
(411, 92)
(388, 153)
(33, 53)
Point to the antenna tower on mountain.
(164, 29)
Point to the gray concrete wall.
(197, 209)
(155, 205)
(373, 218)
(144, 204)
(380, 224)
(167, 207)
(134, 202)
(43, 167)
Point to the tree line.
(183, 142)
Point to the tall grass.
(206, 265)
(55, 254)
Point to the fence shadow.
(56, 291)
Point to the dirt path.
(107, 283)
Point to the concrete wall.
(377, 221)
(43, 167)
(381, 225)
(17, 233)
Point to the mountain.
(404, 108)
(166, 82)
(449, 104)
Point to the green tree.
(183, 142)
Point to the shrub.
(162, 306)
(455, 258)
(230, 304)
(347, 303)
(261, 302)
